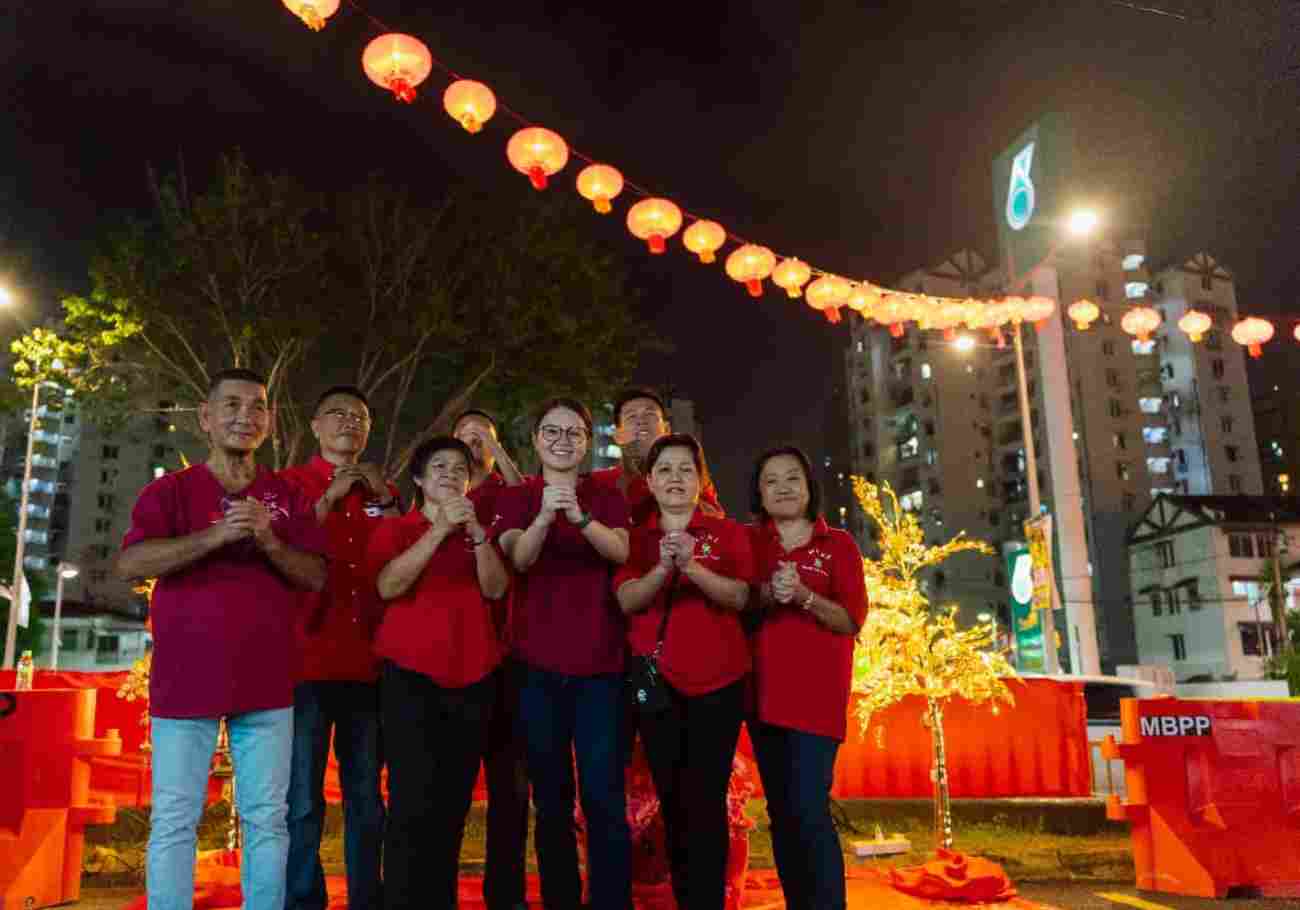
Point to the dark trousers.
(351, 710)
(560, 715)
(690, 747)
(434, 739)
(507, 792)
(797, 769)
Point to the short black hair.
(233, 374)
(349, 390)
(814, 509)
(473, 412)
(426, 450)
(632, 394)
(569, 404)
(678, 440)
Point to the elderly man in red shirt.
(642, 419)
(338, 674)
(231, 545)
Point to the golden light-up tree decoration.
(909, 647)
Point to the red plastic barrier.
(45, 749)
(989, 755)
(1213, 794)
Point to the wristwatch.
(586, 520)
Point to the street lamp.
(66, 570)
(1082, 222)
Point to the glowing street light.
(6, 296)
(66, 570)
(964, 343)
(1082, 222)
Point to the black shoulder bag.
(645, 686)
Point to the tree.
(907, 647)
(421, 306)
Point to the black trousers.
(507, 792)
(690, 748)
(434, 739)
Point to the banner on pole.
(1025, 621)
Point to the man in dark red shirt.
(492, 473)
(642, 419)
(231, 545)
(338, 674)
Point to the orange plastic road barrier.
(46, 745)
(1213, 795)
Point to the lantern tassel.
(793, 290)
(755, 287)
(1256, 350)
(402, 89)
(312, 19)
(950, 334)
(832, 315)
(602, 205)
(656, 242)
(537, 177)
(896, 330)
(707, 257)
(471, 123)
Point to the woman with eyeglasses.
(439, 573)
(683, 587)
(565, 535)
(813, 598)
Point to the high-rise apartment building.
(944, 426)
(54, 449)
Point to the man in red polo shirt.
(491, 473)
(231, 545)
(337, 674)
(642, 419)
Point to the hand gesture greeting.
(785, 582)
(684, 544)
(254, 519)
(373, 476)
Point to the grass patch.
(1027, 844)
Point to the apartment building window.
(1176, 426)
(159, 451)
(1193, 589)
(1119, 440)
(1103, 290)
(1114, 408)
(100, 550)
(109, 452)
(1241, 546)
(926, 372)
(1216, 367)
(1231, 452)
(106, 501)
(1225, 424)
(1207, 282)
(1112, 378)
(1129, 502)
(929, 428)
(1179, 645)
(1123, 470)
(103, 525)
(1251, 643)
(1180, 458)
(908, 448)
(1234, 483)
(1225, 393)
(868, 450)
(1265, 545)
(1108, 348)
(1165, 554)
(1157, 602)
(1175, 605)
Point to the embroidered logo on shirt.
(820, 562)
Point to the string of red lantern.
(400, 63)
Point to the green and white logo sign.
(1030, 193)
(1020, 194)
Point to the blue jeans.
(558, 716)
(797, 769)
(260, 745)
(352, 710)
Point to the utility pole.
(1280, 547)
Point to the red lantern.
(537, 153)
(313, 13)
(750, 264)
(893, 310)
(1141, 321)
(1195, 324)
(1013, 308)
(654, 221)
(1252, 332)
(950, 313)
(863, 300)
(704, 239)
(791, 274)
(1084, 313)
(470, 103)
(398, 63)
(828, 293)
(599, 183)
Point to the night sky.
(857, 138)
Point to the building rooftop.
(1168, 514)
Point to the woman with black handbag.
(685, 582)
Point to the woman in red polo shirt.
(438, 572)
(813, 596)
(698, 567)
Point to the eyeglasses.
(552, 433)
(342, 416)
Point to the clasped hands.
(560, 499)
(786, 586)
(676, 550)
(346, 476)
(247, 518)
(457, 512)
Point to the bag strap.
(663, 623)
